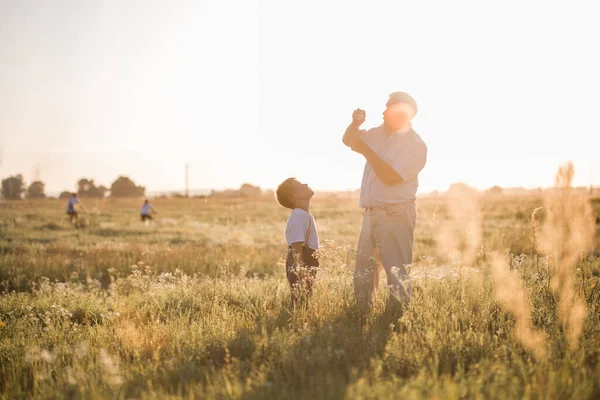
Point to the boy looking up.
(301, 236)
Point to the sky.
(256, 91)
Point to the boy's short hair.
(284, 193)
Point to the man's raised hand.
(358, 117)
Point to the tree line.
(15, 188)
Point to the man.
(395, 154)
(71, 211)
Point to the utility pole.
(187, 192)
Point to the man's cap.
(403, 97)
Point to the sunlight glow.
(263, 90)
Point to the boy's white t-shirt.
(297, 226)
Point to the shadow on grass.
(280, 355)
(322, 362)
(110, 232)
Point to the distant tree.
(495, 190)
(36, 190)
(87, 188)
(65, 195)
(13, 187)
(247, 190)
(125, 187)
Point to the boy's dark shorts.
(72, 213)
(312, 264)
(144, 217)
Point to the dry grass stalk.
(535, 239)
(567, 233)
(535, 231)
(510, 292)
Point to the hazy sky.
(256, 91)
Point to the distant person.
(147, 211)
(302, 238)
(71, 208)
(394, 154)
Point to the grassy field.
(196, 305)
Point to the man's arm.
(358, 117)
(350, 133)
(384, 171)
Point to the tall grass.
(142, 315)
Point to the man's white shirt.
(406, 153)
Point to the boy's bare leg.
(293, 300)
(301, 292)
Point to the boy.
(147, 210)
(302, 238)
(71, 211)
